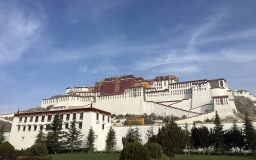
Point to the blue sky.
(46, 46)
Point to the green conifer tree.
(218, 132)
(111, 140)
(149, 134)
(188, 137)
(134, 134)
(73, 137)
(249, 131)
(90, 140)
(2, 137)
(40, 137)
(55, 137)
(172, 139)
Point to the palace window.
(20, 119)
(41, 127)
(48, 126)
(74, 116)
(81, 116)
(18, 127)
(80, 125)
(97, 116)
(24, 128)
(102, 126)
(42, 120)
(103, 118)
(29, 128)
(36, 119)
(49, 118)
(25, 121)
(31, 119)
(61, 116)
(35, 127)
(67, 117)
(66, 126)
(108, 119)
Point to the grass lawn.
(115, 156)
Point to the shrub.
(19, 153)
(37, 150)
(135, 151)
(6, 149)
(155, 150)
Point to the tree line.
(174, 139)
(171, 138)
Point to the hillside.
(243, 105)
(7, 126)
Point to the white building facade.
(26, 126)
(164, 97)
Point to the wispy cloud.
(238, 55)
(19, 30)
(171, 59)
(105, 69)
(82, 69)
(177, 69)
(92, 10)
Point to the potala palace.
(93, 106)
(164, 95)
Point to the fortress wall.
(67, 101)
(218, 92)
(177, 105)
(186, 104)
(129, 102)
(168, 103)
(201, 95)
(204, 108)
(224, 107)
(197, 118)
(158, 109)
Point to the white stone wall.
(201, 94)
(25, 138)
(158, 109)
(67, 101)
(130, 102)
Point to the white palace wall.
(23, 136)
(67, 101)
(132, 101)
(201, 94)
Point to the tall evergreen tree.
(134, 134)
(218, 132)
(40, 137)
(188, 138)
(90, 140)
(150, 134)
(249, 131)
(202, 136)
(55, 137)
(111, 140)
(2, 137)
(73, 137)
(172, 139)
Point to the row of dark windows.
(29, 128)
(103, 117)
(49, 118)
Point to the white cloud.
(105, 68)
(19, 30)
(83, 69)
(171, 59)
(93, 10)
(238, 55)
(177, 69)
